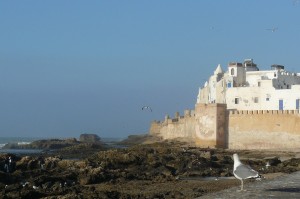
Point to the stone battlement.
(177, 117)
(255, 112)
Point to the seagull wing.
(244, 172)
(147, 107)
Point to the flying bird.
(272, 29)
(147, 107)
(242, 171)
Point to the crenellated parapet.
(262, 112)
(177, 118)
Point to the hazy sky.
(69, 67)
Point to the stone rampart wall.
(267, 129)
(204, 126)
(211, 125)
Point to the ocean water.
(19, 140)
(28, 140)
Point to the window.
(256, 100)
(258, 83)
(236, 100)
(268, 96)
(274, 74)
(232, 71)
(280, 104)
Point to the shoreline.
(160, 170)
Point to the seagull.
(25, 184)
(272, 29)
(268, 165)
(35, 187)
(147, 107)
(242, 171)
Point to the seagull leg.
(242, 185)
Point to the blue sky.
(71, 67)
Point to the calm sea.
(28, 140)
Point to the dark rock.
(273, 161)
(139, 139)
(127, 173)
(90, 138)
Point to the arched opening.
(232, 71)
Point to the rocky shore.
(157, 170)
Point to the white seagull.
(147, 107)
(35, 187)
(268, 165)
(25, 184)
(242, 171)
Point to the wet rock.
(273, 161)
(127, 173)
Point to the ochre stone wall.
(204, 128)
(264, 130)
(211, 125)
(209, 129)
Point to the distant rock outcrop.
(89, 138)
(50, 144)
(44, 144)
(140, 139)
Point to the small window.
(258, 83)
(274, 74)
(287, 86)
(267, 99)
(232, 71)
(236, 100)
(256, 100)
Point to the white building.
(244, 87)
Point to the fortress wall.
(206, 126)
(210, 125)
(222, 127)
(264, 129)
(183, 128)
(180, 127)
